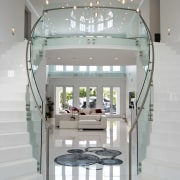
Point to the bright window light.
(82, 68)
(59, 68)
(92, 68)
(116, 68)
(68, 142)
(10, 73)
(69, 68)
(106, 68)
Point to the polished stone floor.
(115, 137)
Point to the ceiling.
(91, 56)
(39, 5)
(88, 56)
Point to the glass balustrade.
(103, 27)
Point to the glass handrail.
(143, 105)
(37, 123)
(109, 26)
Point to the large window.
(103, 69)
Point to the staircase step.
(148, 177)
(13, 153)
(166, 126)
(34, 176)
(12, 105)
(13, 126)
(5, 88)
(167, 96)
(13, 96)
(166, 154)
(160, 169)
(167, 105)
(14, 139)
(17, 168)
(12, 115)
(14, 81)
(167, 84)
(160, 115)
(164, 138)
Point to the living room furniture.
(66, 120)
(83, 119)
(92, 122)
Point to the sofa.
(92, 122)
(81, 119)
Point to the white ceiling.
(39, 5)
(91, 56)
(88, 56)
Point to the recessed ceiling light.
(91, 4)
(47, 2)
(58, 58)
(123, 1)
(90, 58)
(116, 58)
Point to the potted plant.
(49, 107)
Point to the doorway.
(27, 23)
(111, 100)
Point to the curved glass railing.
(103, 27)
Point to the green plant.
(49, 107)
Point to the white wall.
(11, 15)
(154, 17)
(170, 19)
(145, 10)
(34, 14)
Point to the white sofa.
(92, 122)
(66, 120)
(83, 119)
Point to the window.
(59, 68)
(69, 68)
(82, 68)
(92, 68)
(106, 68)
(116, 68)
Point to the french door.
(64, 98)
(87, 97)
(111, 100)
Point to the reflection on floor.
(114, 138)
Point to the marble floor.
(115, 137)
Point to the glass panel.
(69, 97)
(82, 97)
(92, 97)
(106, 99)
(64, 98)
(116, 100)
(59, 100)
(34, 125)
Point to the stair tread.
(11, 163)
(29, 176)
(14, 133)
(162, 163)
(165, 148)
(14, 147)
